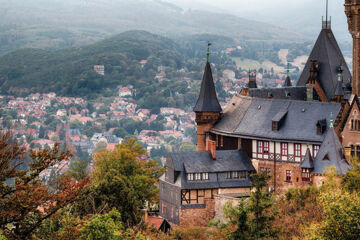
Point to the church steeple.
(207, 107)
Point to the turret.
(207, 108)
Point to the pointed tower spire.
(207, 101)
(287, 82)
(308, 160)
(207, 108)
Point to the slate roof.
(329, 57)
(293, 93)
(248, 117)
(308, 160)
(331, 153)
(197, 162)
(207, 101)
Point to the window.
(205, 176)
(288, 175)
(259, 146)
(284, 149)
(235, 175)
(228, 175)
(268, 171)
(263, 147)
(190, 177)
(297, 150)
(197, 176)
(352, 124)
(242, 174)
(266, 147)
(262, 169)
(316, 149)
(305, 175)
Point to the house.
(292, 133)
(192, 179)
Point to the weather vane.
(208, 52)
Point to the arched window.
(358, 150)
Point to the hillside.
(70, 72)
(61, 24)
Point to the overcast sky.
(300, 15)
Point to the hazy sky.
(300, 15)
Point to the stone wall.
(220, 202)
(198, 216)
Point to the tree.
(79, 169)
(253, 218)
(103, 227)
(26, 202)
(41, 132)
(123, 180)
(351, 180)
(260, 204)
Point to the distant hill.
(65, 23)
(70, 72)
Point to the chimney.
(144, 214)
(211, 146)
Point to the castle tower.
(352, 8)
(207, 108)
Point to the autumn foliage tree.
(123, 179)
(25, 201)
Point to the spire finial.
(288, 70)
(208, 52)
(331, 125)
(327, 7)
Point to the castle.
(292, 133)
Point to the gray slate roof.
(196, 162)
(308, 160)
(248, 117)
(293, 93)
(207, 101)
(332, 150)
(328, 55)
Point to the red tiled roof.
(155, 221)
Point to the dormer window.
(197, 176)
(190, 177)
(321, 126)
(205, 176)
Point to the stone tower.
(207, 108)
(352, 8)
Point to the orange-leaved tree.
(25, 200)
